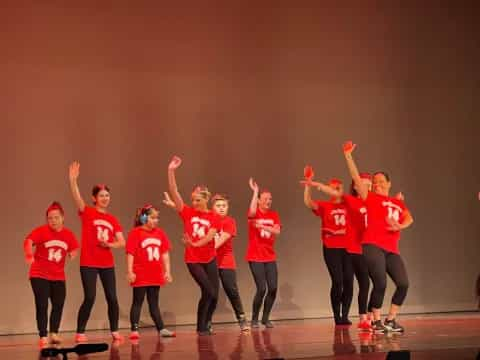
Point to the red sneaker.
(43, 342)
(365, 326)
(134, 335)
(81, 338)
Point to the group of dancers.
(360, 234)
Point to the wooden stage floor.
(442, 336)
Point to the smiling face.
(102, 199)
(381, 184)
(55, 219)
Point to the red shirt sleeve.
(35, 236)
(185, 212)
(320, 208)
(276, 219)
(131, 246)
(252, 217)
(87, 211)
(354, 203)
(216, 222)
(230, 227)
(73, 242)
(116, 226)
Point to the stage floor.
(453, 336)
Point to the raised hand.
(174, 163)
(308, 172)
(74, 170)
(400, 196)
(168, 201)
(348, 147)
(253, 185)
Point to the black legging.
(229, 283)
(152, 293)
(360, 269)
(89, 283)
(380, 263)
(265, 275)
(206, 276)
(55, 291)
(341, 274)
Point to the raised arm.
(172, 182)
(73, 173)
(362, 189)
(307, 196)
(328, 190)
(167, 200)
(252, 210)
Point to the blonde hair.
(220, 197)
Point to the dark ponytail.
(142, 212)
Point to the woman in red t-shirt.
(224, 252)
(53, 242)
(263, 227)
(148, 268)
(387, 216)
(335, 237)
(101, 232)
(357, 215)
(200, 227)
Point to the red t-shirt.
(197, 224)
(147, 248)
(261, 242)
(357, 212)
(97, 226)
(380, 207)
(225, 257)
(51, 248)
(334, 220)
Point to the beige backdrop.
(238, 91)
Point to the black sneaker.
(378, 328)
(254, 324)
(393, 326)
(343, 322)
